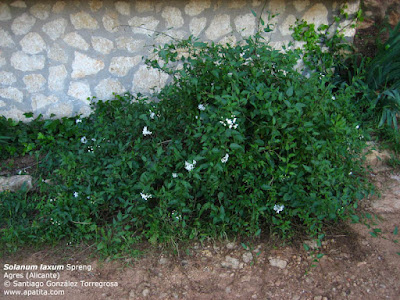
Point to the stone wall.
(56, 54)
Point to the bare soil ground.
(356, 265)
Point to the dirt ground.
(356, 265)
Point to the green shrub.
(19, 138)
(240, 143)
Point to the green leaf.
(254, 13)
(265, 187)
(373, 234)
(355, 218)
(396, 230)
(215, 73)
(235, 146)
(289, 91)
(306, 247)
(199, 44)
(100, 246)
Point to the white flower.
(230, 122)
(333, 98)
(152, 115)
(146, 131)
(76, 194)
(84, 140)
(358, 126)
(190, 166)
(351, 173)
(278, 208)
(93, 139)
(201, 107)
(54, 222)
(225, 158)
(145, 197)
(174, 175)
(78, 121)
(175, 215)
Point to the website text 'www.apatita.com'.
(38, 292)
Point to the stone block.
(107, 87)
(5, 13)
(15, 183)
(111, 21)
(84, 65)
(55, 29)
(102, 45)
(236, 4)
(7, 78)
(60, 110)
(15, 114)
(301, 5)
(57, 53)
(289, 21)
(58, 7)
(25, 62)
(123, 8)
(121, 65)
(34, 82)
(317, 14)
(75, 40)
(19, 4)
(82, 20)
(6, 39)
(22, 24)
(146, 79)
(245, 24)
(129, 44)
(197, 25)
(95, 5)
(39, 101)
(12, 93)
(144, 25)
(142, 6)
(172, 16)
(194, 7)
(79, 90)
(32, 43)
(40, 11)
(220, 26)
(57, 76)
